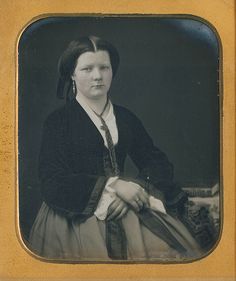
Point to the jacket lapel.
(87, 129)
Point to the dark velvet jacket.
(71, 162)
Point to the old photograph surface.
(119, 138)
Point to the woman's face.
(93, 74)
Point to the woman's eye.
(105, 67)
(87, 69)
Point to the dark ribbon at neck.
(111, 147)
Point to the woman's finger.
(139, 202)
(141, 194)
(122, 213)
(144, 199)
(114, 205)
(115, 212)
(135, 205)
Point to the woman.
(90, 210)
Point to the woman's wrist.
(117, 185)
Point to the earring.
(73, 87)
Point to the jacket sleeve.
(155, 170)
(63, 189)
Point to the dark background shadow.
(168, 77)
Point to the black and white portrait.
(119, 138)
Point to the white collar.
(91, 113)
(109, 119)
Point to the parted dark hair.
(67, 61)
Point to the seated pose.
(90, 211)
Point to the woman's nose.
(97, 74)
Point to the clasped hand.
(129, 194)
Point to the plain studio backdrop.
(168, 76)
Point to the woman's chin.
(98, 93)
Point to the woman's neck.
(97, 105)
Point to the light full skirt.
(55, 237)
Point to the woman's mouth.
(98, 86)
